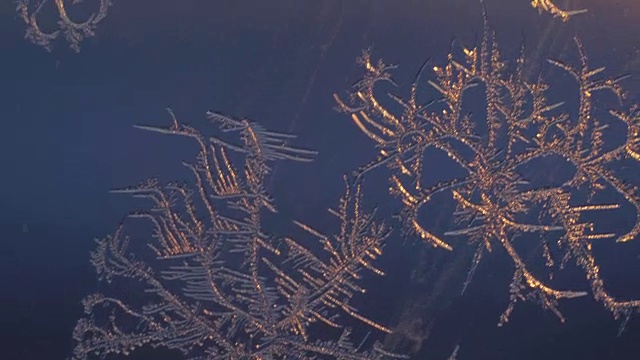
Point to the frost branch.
(496, 204)
(74, 32)
(214, 285)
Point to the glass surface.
(483, 186)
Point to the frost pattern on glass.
(496, 206)
(74, 31)
(211, 283)
(548, 6)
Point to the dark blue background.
(66, 138)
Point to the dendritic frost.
(74, 32)
(497, 207)
(211, 283)
(548, 6)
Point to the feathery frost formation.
(211, 283)
(74, 31)
(496, 206)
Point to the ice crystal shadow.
(211, 283)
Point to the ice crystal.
(547, 6)
(74, 32)
(211, 283)
(497, 207)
